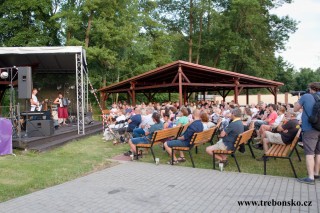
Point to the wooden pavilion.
(185, 78)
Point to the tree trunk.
(68, 36)
(216, 59)
(190, 30)
(87, 39)
(118, 78)
(209, 16)
(104, 81)
(200, 35)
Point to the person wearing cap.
(158, 125)
(311, 136)
(286, 131)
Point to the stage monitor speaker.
(88, 118)
(24, 82)
(40, 128)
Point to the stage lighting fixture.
(4, 75)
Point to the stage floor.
(60, 136)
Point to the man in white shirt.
(254, 110)
(146, 122)
(34, 100)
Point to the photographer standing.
(311, 136)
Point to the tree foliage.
(128, 37)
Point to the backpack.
(314, 118)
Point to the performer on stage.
(62, 108)
(35, 104)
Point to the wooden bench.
(184, 128)
(241, 139)
(159, 136)
(216, 128)
(283, 151)
(249, 142)
(196, 140)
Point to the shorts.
(180, 143)
(311, 142)
(274, 138)
(140, 140)
(218, 146)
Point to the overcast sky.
(303, 48)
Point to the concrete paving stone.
(144, 187)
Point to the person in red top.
(273, 114)
(269, 120)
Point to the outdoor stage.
(61, 136)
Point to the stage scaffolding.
(70, 59)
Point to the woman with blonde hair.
(205, 121)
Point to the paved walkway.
(145, 187)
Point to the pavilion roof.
(195, 78)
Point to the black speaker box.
(88, 118)
(24, 82)
(40, 128)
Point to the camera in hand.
(299, 93)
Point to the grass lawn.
(277, 167)
(29, 172)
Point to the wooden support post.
(169, 96)
(185, 98)
(259, 98)
(204, 95)
(223, 96)
(286, 98)
(180, 85)
(240, 90)
(128, 98)
(236, 91)
(152, 96)
(102, 100)
(247, 96)
(133, 93)
(236, 94)
(149, 97)
(275, 90)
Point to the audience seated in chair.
(285, 133)
(135, 120)
(184, 140)
(146, 122)
(266, 127)
(247, 118)
(229, 136)
(268, 119)
(205, 121)
(158, 125)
